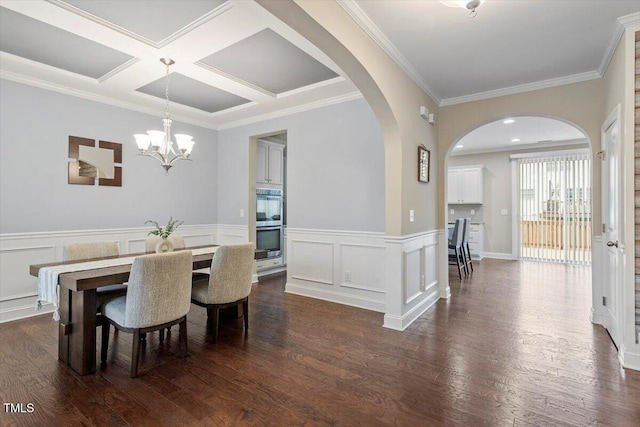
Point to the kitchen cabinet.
(269, 163)
(464, 185)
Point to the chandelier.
(472, 5)
(158, 144)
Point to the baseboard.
(22, 312)
(337, 297)
(254, 278)
(400, 323)
(629, 360)
(497, 255)
(596, 317)
(271, 271)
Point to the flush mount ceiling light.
(158, 144)
(459, 146)
(472, 5)
(508, 121)
(515, 140)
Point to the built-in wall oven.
(269, 239)
(268, 207)
(269, 221)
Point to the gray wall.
(34, 194)
(335, 168)
(497, 191)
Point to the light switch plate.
(473, 211)
(241, 213)
(412, 215)
(452, 211)
(504, 212)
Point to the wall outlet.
(473, 211)
(452, 211)
(241, 213)
(504, 212)
(412, 215)
(347, 277)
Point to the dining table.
(77, 300)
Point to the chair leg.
(161, 334)
(470, 259)
(183, 337)
(458, 262)
(213, 316)
(105, 343)
(245, 314)
(135, 353)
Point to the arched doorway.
(512, 226)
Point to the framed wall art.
(424, 163)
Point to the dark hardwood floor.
(513, 346)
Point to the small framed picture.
(424, 163)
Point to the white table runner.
(48, 276)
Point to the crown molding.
(361, 18)
(559, 81)
(298, 109)
(622, 23)
(158, 45)
(19, 78)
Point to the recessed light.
(515, 140)
(508, 121)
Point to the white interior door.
(611, 220)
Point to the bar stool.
(456, 256)
(466, 252)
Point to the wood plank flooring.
(513, 346)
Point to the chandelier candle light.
(158, 144)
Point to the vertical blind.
(555, 208)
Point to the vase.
(164, 245)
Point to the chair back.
(456, 237)
(231, 270)
(79, 251)
(176, 241)
(159, 289)
(465, 231)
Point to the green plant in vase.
(164, 245)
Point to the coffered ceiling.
(234, 61)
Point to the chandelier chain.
(166, 93)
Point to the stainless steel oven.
(269, 239)
(268, 207)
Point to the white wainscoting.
(415, 262)
(18, 289)
(338, 266)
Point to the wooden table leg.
(82, 337)
(64, 325)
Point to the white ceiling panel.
(154, 20)
(269, 61)
(34, 40)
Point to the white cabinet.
(269, 163)
(464, 185)
(476, 236)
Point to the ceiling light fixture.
(158, 144)
(459, 146)
(515, 140)
(472, 5)
(508, 121)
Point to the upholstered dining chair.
(158, 296)
(178, 243)
(84, 251)
(466, 252)
(229, 285)
(456, 257)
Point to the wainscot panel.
(339, 266)
(18, 289)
